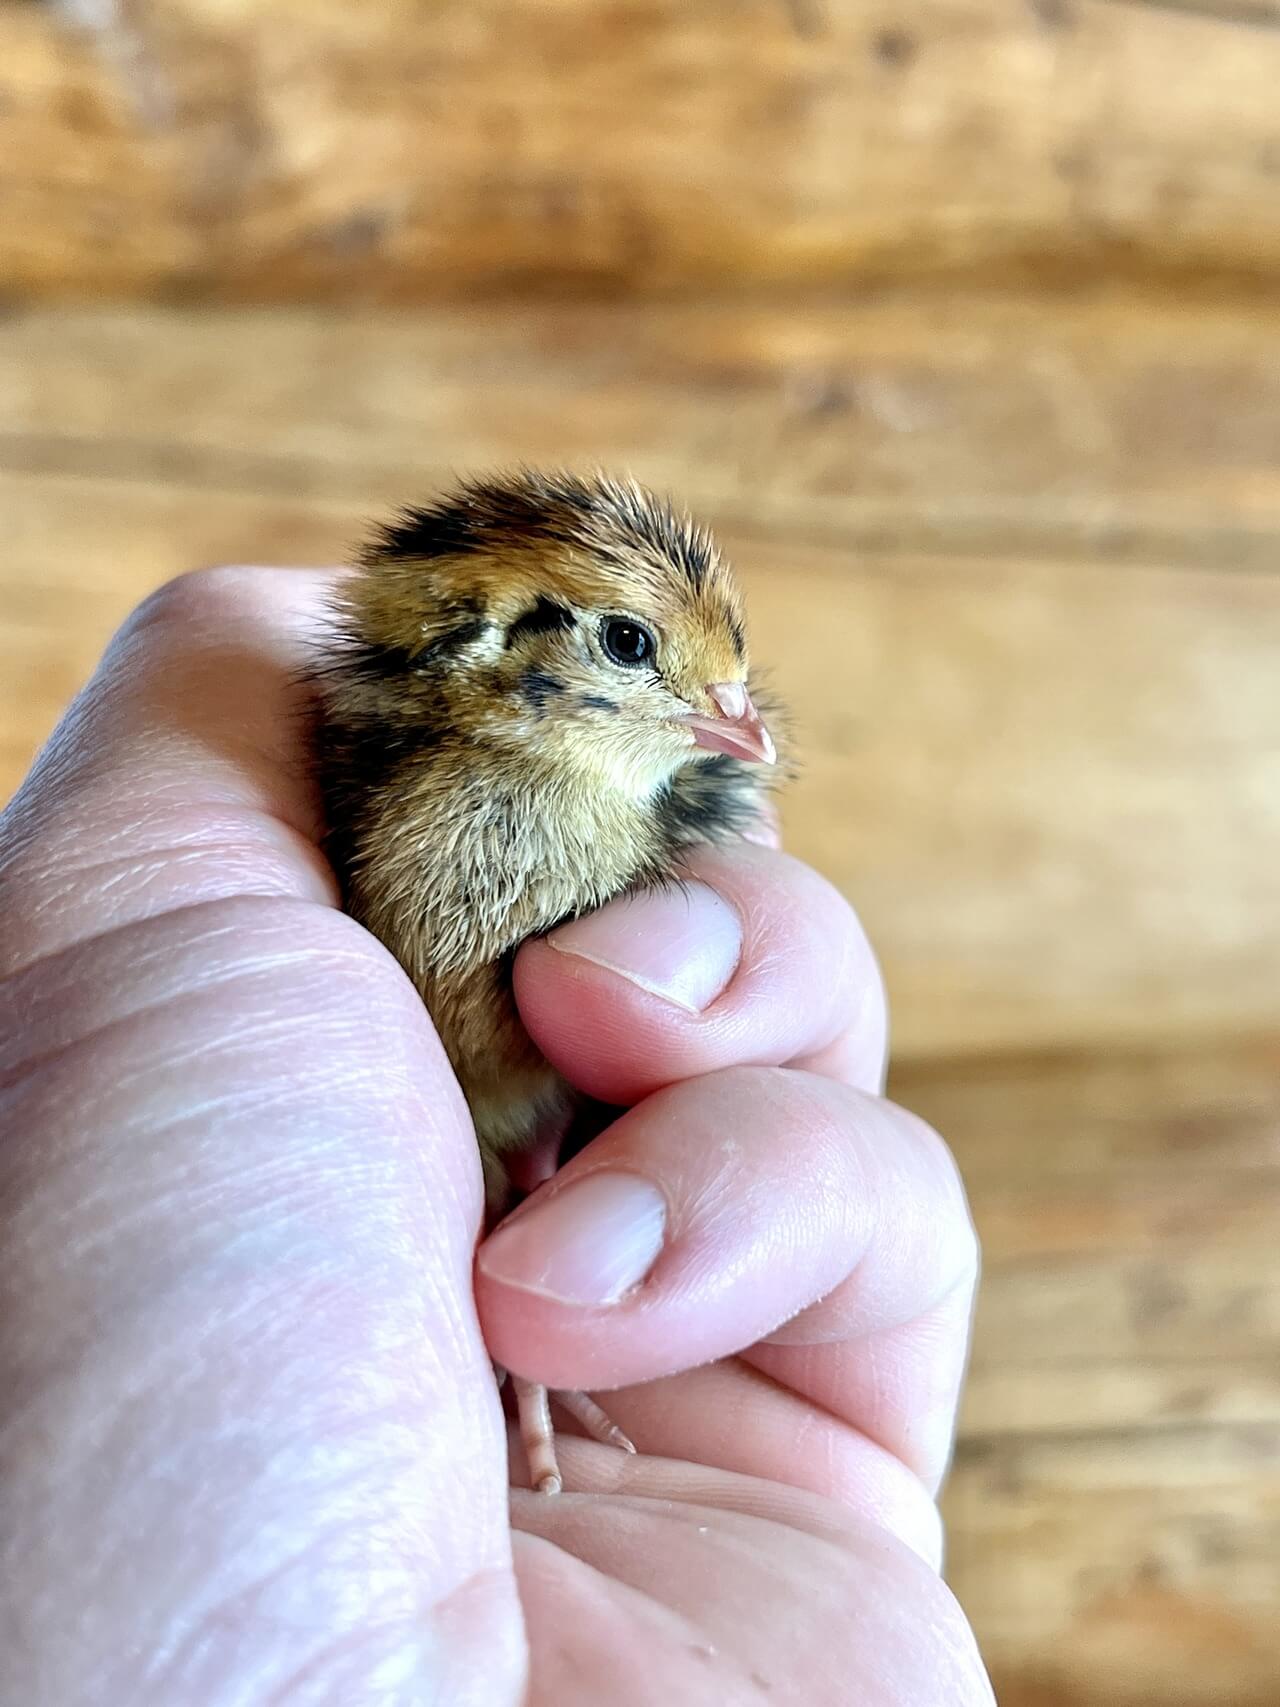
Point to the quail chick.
(535, 699)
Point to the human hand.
(250, 1446)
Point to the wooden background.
(960, 323)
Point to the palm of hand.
(699, 1584)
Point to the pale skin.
(251, 1449)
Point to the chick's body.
(536, 701)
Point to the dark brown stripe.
(545, 617)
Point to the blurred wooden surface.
(283, 149)
(1017, 564)
(1114, 1509)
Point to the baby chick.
(536, 699)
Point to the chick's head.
(579, 623)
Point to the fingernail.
(682, 944)
(588, 1244)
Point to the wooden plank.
(1093, 1394)
(291, 148)
(1033, 786)
(1117, 428)
(1224, 1300)
(1212, 1105)
(1114, 1507)
(1128, 1203)
(1137, 1571)
(1128, 1283)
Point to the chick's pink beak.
(735, 727)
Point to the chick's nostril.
(730, 698)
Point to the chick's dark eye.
(627, 642)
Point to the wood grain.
(280, 149)
(1114, 1506)
(1113, 428)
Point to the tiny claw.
(538, 1437)
(598, 1424)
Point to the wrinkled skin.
(250, 1445)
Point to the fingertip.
(681, 945)
(588, 1243)
(754, 960)
(636, 1259)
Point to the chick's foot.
(533, 1412)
